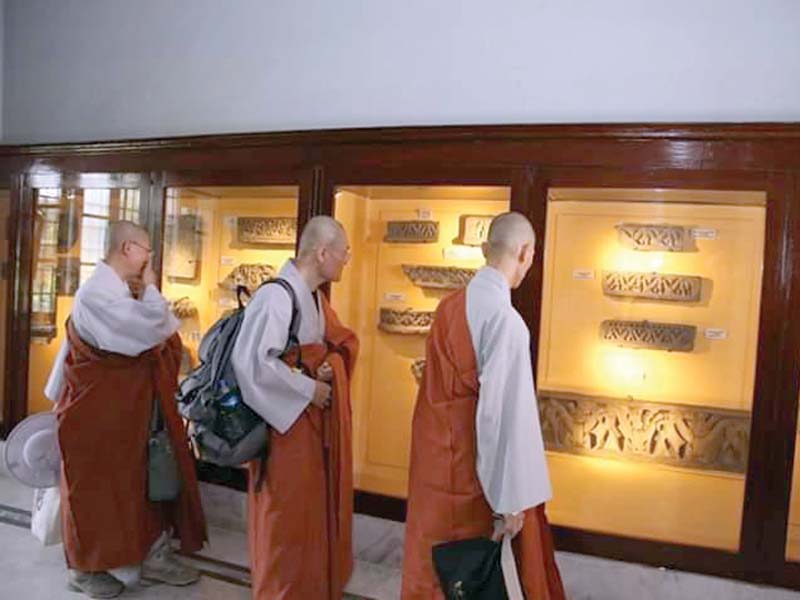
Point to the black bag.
(470, 569)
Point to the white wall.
(102, 69)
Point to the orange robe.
(300, 521)
(103, 428)
(445, 499)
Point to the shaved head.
(320, 231)
(507, 233)
(120, 232)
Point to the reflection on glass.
(216, 238)
(5, 211)
(69, 239)
(648, 339)
(410, 247)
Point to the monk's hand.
(510, 525)
(322, 395)
(136, 285)
(148, 275)
(325, 372)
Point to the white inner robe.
(268, 386)
(512, 467)
(107, 316)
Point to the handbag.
(163, 475)
(46, 515)
(477, 569)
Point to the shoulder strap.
(292, 341)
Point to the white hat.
(32, 454)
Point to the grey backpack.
(226, 431)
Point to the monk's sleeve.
(277, 393)
(507, 424)
(126, 325)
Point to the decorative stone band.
(418, 368)
(443, 278)
(672, 434)
(649, 237)
(266, 230)
(653, 286)
(251, 276)
(412, 232)
(407, 322)
(646, 334)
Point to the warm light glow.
(626, 368)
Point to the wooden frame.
(530, 159)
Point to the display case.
(411, 245)
(646, 364)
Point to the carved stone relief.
(412, 232)
(473, 229)
(184, 247)
(649, 237)
(444, 278)
(267, 230)
(418, 368)
(183, 308)
(407, 322)
(646, 334)
(251, 276)
(653, 286)
(685, 436)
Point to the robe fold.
(300, 520)
(104, 416)
(446, 499)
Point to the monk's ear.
(485, 249)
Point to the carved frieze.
(685, 436)
(418, 368)
(651, 237)
(412, 232)
(407, 321)
(473, 229)
(443, 278)
(650, 335)
(652, 286)
(280, 231)
(249, 275)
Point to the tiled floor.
(29, 571)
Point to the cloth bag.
(163, 474)
(46, 515)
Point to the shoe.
(95, 585)
(162, 566)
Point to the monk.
(476, 449)
(300, 512)
(121, 354)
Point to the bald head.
(320, 232)
(507, 234)
(120, 232)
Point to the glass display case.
(646, 361)
(411, 246)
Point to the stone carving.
(473, 229)
(251, 276)
(648, 237)
(183, 308)
(685, 436)
(412, 232)
(405, 321)
(646, 334)
(443, 278)
(418, 368)
(184, 246)
(654, 286)
(267, 230)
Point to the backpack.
(224, 430)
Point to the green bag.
(163, 475)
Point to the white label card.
(394, 297)
(716, 334)
(462, 253)
(704, 233)
(227, 261)
(425, 214)
(583, 274)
